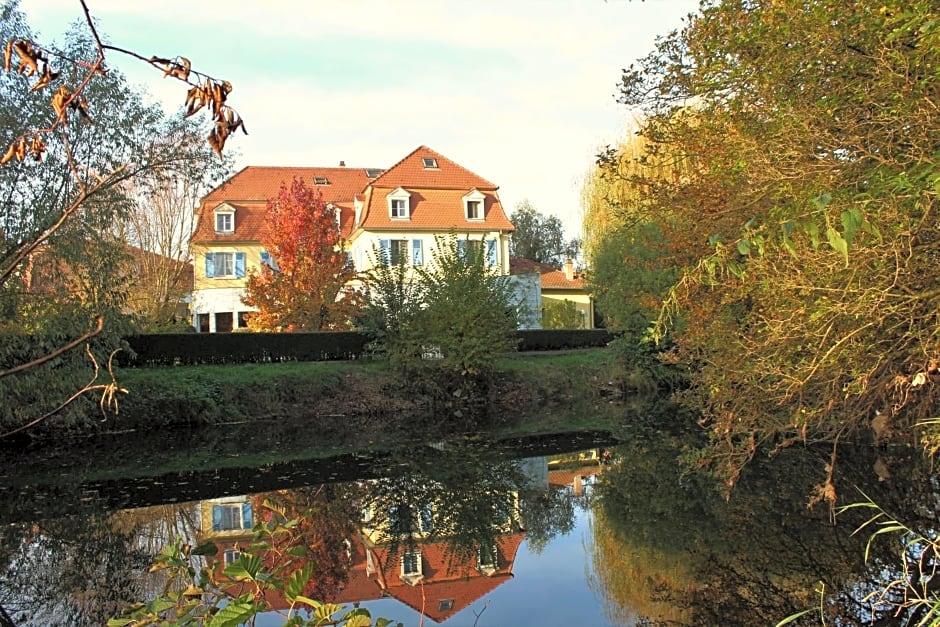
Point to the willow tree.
(807, 297)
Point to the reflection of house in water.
(574, 471)
(423, 573)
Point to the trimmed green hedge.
(231, 348)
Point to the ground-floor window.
(243, 319)
(223, 322)
(202, 323)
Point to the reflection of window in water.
(411, 563)
(488, 557)
(228, 517)
(231, 555)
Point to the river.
(592, 529)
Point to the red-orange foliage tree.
(307, 289)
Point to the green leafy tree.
(465, 317)
(72, 136)
(800, 223)
(539, 237)
(561, 315)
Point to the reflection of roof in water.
(443, 590)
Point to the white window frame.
(477, 200)
(417, 558)
(237, 267)
(399, 205)
(230, 265)
(227, 215)
(429, 163)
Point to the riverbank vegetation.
(772, 223)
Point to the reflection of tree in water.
(74, 571)
(458, 494)
(546, 514)
(670, 551)
(326, 518)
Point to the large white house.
(397, 211)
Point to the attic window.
(430, 162)
(373, 172)
(445, 605)
(224, 221)
(321, 180)
(473, 204)
(399, 205)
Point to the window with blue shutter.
(246, 516)
(491, 252)
(417, 253)
(265, 258)
(461, 249)
(210, 265)
(239, 265)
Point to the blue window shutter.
(417, 253)
(265, 258)
(385, 251)
(216, 518)
(239, 265)
(246, 516)
(210, 265)
(461, 249)
(491, 252)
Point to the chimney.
(342, 164)
(569, 269)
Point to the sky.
(521, 92)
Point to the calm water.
(568, 530)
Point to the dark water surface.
(573, 529)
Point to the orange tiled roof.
(436, 196)
(437, 210)
(551, 278)
(250, 189)
(411, 172)
(263, 182)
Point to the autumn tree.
(306, 287)
(539, 237)
(806, 301)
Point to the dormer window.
(399, 205)
(429, 163)
(321, 180)
(473, 205)
(225, 219)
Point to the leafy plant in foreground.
(273, 564)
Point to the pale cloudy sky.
(519, 91)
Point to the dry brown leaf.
(7, 56)
(58, 103)
(9, 154)
(29, 59)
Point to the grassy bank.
(566, 385)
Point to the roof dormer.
(224, 217)
(473, 205)
(399, 204)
